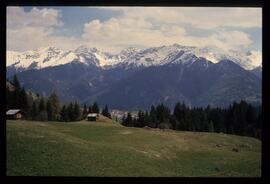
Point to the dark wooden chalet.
(15, 114)
(92, 117)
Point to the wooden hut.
(92, 117)
(15, 114)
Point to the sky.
(112, 29)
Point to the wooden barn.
(92, 117)
(15, 114)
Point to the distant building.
(118, 114)
(92, 117)
(15, 114)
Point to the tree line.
(239, 118)
(37, 107)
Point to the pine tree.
(177, 110)
(211, 126)
(258, 125)
(162, 113)
(234, 119)
(146, 118)
(152, 117)
(43, 116)
(129, 120)
(251, 115)
(173, 122)
(243, 108)
(64, 114)
(33, 111)
(16, 83)
(84, 111)
(49, 111)
(70, 112)
(76, 112)
(183, 116)
(30, 99)
(42, 112)
(24, 105)
(95, 108)
(105, 112)
(41, 106)
(90, 109)
(123, 120)
(55, 105)
(16, 94)
(205, 121)
(141, 119)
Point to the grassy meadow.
(105, 148)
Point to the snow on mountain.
(255, 57)
(40, 58)
(11, 57)
(51, 56)
(126, 53)
(248, 61)
(187, 54)
(160, 56)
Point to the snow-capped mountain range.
(130, 57)
(136, 78)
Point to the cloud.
(221, 17)
(31, 30)
(231, 39)
(18, 18)
(29, 38)
(117, 33)
(201, 17)
(136, 26)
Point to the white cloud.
(140, 27)
(115, 34)
(18, 18)
(232, 39)
(232, 17)
(28, 38)
(31, 30)
(201, 17)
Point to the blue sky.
(114, 28)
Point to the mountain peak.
(84, 49)
(48, 48)
(130, 56)
(129, 51)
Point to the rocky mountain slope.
(137, 78)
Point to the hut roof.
(92, 115)
(13, 111)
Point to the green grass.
(108, 149)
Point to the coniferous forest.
(239, 118)
(37, 107)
